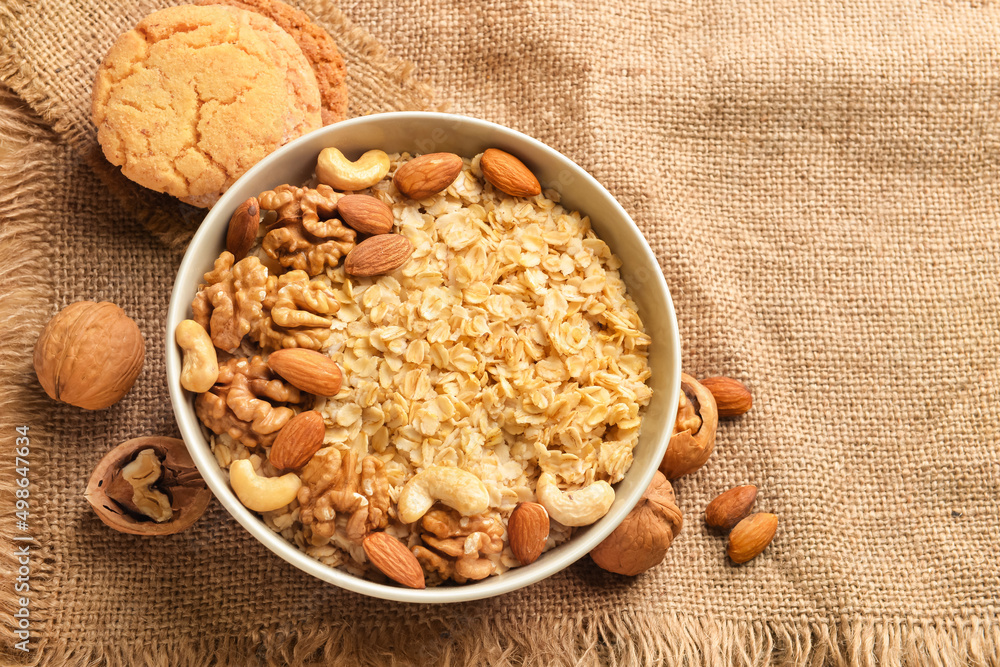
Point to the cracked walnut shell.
(642, 539)
(305, 235)
(169, 496)
(248, 402)
(230, 303)
(693, 438)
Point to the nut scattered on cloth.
(693, 439)
(642, 539)
(89, 355)
(193, 97)
(148, 486)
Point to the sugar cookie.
(193, 96)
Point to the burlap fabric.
(819, 182)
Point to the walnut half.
(332, 483)
(248, 402)
(693, 439)
(305, 236)
(230, 302)
(299, 313)
(459, 547)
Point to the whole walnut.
(693, 439)
(642, 539)
(89, 355)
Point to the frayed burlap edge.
(26, 297)
(622, 639)
(19, 78)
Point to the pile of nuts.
(642, 539)
(89, 355)
(491, 368)
(749, 534)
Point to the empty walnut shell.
(89, 355)
(110, 494)
(689, 448)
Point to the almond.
(508, 174)
(377, 255)
(297, 441)
(308, 370)
(243, 228)
(751, 536)
(427, 175)
(366, 214)
(527, 531)
(729, 508)
(394, 560)
(731, 396)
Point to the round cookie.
(192, 97)
(317, 45)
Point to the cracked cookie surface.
(192, 97)
(317, 46)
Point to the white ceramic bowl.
(427, 133)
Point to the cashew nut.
(201, 364)
(581, 507)
(338, 172)
(262, 494)
(454, 487)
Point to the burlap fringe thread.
(26, 296)
(620, 639)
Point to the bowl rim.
(199, 448)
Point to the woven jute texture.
(819, 183)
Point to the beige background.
(819, 182)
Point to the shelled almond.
(508, 174)
(243, 227)
(297, 441)
(751, 536)
(527, 531)
(394, 560)
(732, 398)
(378, 255)
(365, 214)
(729, 508)
(308, 370)
(427, 175)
